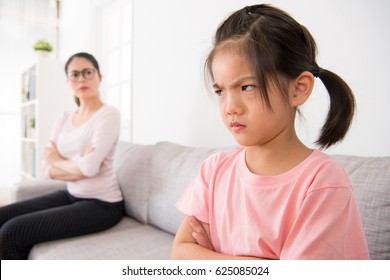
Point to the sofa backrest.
(173, 168)
(153, 177)
(370, 179)
(132, 165)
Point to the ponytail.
(341, 108)
(77, 100)
(278, 46)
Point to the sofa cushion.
(128, 240)
(29, 189)
(173, 168)
(132, 165)
(370, 178)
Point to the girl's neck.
(272, 161)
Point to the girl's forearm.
(193, 251)
(186, 247)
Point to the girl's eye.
(248, 87)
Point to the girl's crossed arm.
(192, 242)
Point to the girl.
(274, 198)
(80, 152)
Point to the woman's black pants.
(54, 216)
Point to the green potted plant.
(32, 127)
(43, 47)
(32, 123)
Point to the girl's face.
(242, 108)
(83, 78)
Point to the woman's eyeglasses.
(87, 73)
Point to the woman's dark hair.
(280, 49)
(88, 57)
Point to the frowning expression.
(242, 108)
(83, 78)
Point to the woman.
(80, 152)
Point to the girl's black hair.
(280, 49)
(88, 57)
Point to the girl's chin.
(243, 141)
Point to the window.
(116, 50)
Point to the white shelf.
(28, 140)
(45, 95)
(27, 176)
(28, 103)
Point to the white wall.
(80, 28)
(171, 41)
(172, 38)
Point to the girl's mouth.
(236, 126)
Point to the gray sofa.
(152, 178)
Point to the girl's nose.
(234, 105)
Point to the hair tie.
(316, 72)
(254, 9)
(248, 10)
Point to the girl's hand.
(200, 234)
(51, 154)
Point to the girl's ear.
(301, 88)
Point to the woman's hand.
(51, 154)
(61, 168)
(88, 150)
(200, 234)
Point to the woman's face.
(83, 78)
(242, 108)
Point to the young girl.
(274, 198)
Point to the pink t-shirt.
(101, 132)
(308, 212)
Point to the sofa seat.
(127, 240)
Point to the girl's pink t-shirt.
(101, 132)
(308, 212)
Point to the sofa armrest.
(30, 189)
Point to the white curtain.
(22, 23)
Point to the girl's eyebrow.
(238, 82)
